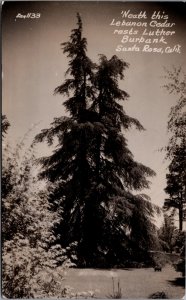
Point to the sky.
(33, 65)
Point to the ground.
(134, 283)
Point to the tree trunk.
(181, 218)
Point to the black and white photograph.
(93, 183)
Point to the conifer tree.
(118, 174)
(92, 170)
(176, 177)
(70, 168)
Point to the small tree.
(168, 234)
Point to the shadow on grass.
(113, 269)
(179, 281)
(127, 269)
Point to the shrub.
(30, 271)
(180, 264)
(158, 295)
(29, 262)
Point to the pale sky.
(34, 65)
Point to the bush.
(158, 295)
(180, 265)
(30, 271)
(159, 258)
(29, 262)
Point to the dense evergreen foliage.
(92, 170)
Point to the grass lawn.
(134, 283)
